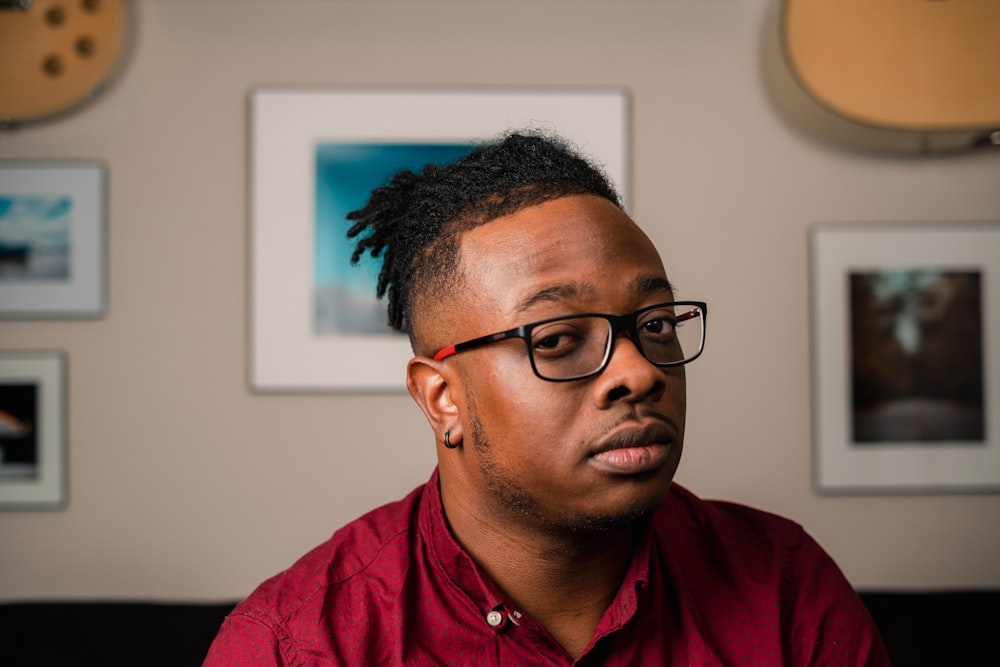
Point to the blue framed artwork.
(316, 154)
(344, 294)
(52, 239)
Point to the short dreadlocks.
(415, 220)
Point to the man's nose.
(629, 375)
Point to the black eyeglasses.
(574, 347)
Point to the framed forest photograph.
(905, 323)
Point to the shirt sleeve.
(829, 624)
(244, 641)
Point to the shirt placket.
(522, 640)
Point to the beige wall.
(184, 485)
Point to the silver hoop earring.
(447, 440)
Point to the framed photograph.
(32, 430)
(316, 154)
(52, 239)
(906, 357)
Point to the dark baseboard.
(921, 629)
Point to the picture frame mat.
(838, 250)
(287, 124)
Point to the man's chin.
(634, 511)
(633, 516)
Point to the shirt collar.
(449, 559)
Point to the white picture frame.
(906, 357)
(52, 239)
(287, 128)
(33, 457)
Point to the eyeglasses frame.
(627, 322)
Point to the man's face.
(581, 455)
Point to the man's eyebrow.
(553, 294)
(641, 286)
(651, 284)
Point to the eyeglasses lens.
(578, 346)
(571, 347)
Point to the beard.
(518, 501)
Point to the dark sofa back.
(920, 629)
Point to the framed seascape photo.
(32, 430)
(316, 154)
(52, 245)
(906, 357)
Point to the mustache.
(643, 415)
(636, 428)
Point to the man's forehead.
(580, 250)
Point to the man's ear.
(432, 386)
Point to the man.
(550, 355)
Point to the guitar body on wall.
(56, 54)
(894, 75)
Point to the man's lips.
(634, 449)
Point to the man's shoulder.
(748, 570)
(373, 546)
(725, 517)
(729, 534)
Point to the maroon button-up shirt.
(714, 584)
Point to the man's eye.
(658, 326)
(557, 342)
(547, 343)
(653, 326)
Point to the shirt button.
(494, 618)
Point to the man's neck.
(564, 580)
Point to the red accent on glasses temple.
(444, 352)
(694, 312)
